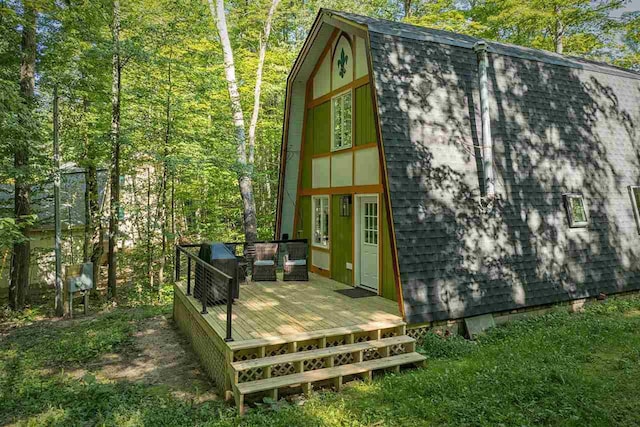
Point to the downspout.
(487, 142)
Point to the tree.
(572, 26)
(19, 281)
(114, 204)
(443, 15)
(245, 162)
(630, 50)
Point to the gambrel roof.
(560, 124)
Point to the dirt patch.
(158, 356)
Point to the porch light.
(345, 206)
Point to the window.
(371, 223)
(321, 221)
(634, 192)
(341, 121)
(576, 210)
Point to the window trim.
(634, 205)
(313, 221)
(346, 147)
(575, 224)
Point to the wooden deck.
(288, 311)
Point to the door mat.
(356, 293)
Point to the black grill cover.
(221, 257)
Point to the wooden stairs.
(331, 358)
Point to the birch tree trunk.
(558, 36)
(115, 151)
(245, 175)
(258, 88)
(19, 280)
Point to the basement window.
(634, 192)
(341, 108)
(576, 210)
(321, 221)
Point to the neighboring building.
(72, 216)
(402, 188)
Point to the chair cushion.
(296, 262)
(264, 262)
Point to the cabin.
(433, 180)
(42, 236)
(457, 176)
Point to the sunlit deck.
(279, 311)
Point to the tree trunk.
(165, 180)
(407, 8)
(58, 300)
(558, 36)
(149, 246)
(115, 151)
(245, 164)
(88, 220)
(20, 262)
(97, 249)
(258, 88)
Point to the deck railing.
(216, 276)
(210, 274)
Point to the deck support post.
(239, 401)
(337, 383)
(306, 389)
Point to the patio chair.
(295, 262)
(264, 262)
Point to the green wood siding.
(365, 127)
(387, 282)
(322, 128)
(341, 243)
(307, 152)
(304, 218)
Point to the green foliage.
(178, 152)
(557, 369)
(438, 346)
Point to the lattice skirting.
(211, 358)
(418, 333)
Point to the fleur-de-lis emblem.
(342, 62)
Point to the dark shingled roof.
(559, 124)
(414, 32)
(72, 189)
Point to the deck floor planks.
(272, 309)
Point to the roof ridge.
(406, 30)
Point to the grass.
(558, 369)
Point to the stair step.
(320, 353)
(327, 373)
(304, 336)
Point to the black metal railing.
(211, 275)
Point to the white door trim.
(357, 237)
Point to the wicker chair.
(295, 262)
(264, 263)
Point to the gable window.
(321, 221)
(634, 192)
(341, 121)
(576, 210)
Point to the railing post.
(205, 289)
(177, 263)
(188, 276)
(229, 309)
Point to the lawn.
(557, 369)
